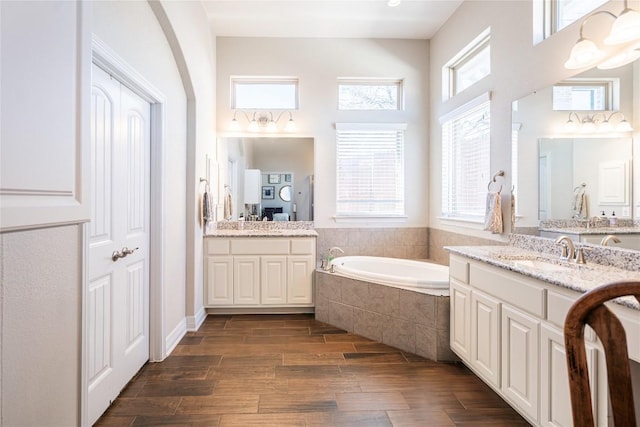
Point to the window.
(551, 16)
(465, 160)
(582, 96)
(368, 94)
(566, 12)
(370, 170)
(468, 66)
(264, 93)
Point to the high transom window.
(369, 94)
(469, 66)
(264, 93)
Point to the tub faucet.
(331, 255)
(610, 238)
(568, 250)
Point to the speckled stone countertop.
(261, 229)
(592, 226)
(592, 230)
(578, 277)
(266, 232)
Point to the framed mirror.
(283, 161)
(550, 160)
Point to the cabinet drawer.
(459, 269)
(511, 288)
(303, 246)
(558, 306)
(217, 246)
(260, 246)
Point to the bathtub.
(419, 276)
(401, 303)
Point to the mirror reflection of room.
(273, 176)
(575, 130)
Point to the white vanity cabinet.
(508, 329)
(258, 272)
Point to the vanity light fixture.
(260, 121)
(594, 124)
(625, 30)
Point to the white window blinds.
(465, 161)
(370, 170)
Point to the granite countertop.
(577, 277)
(267, 232)
(592, 230)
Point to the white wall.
(318, 63)
(193, 47)
(41, 302)
(517, 69)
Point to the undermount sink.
(536, 262)
(541, 265)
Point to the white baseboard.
(194, 322)
(175, 336)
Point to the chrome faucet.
(331, 256)
(568, 250)
(610, 238)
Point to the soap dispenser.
(613, 221)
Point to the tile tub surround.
(438, 239)
(407, 243)
(411, 321)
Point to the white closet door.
(118, 294)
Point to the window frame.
(448, 181)
(464, 56)
(255, 80)
(365, 128)
(369, 81)
(611, 88)
(545, 18)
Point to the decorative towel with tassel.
(493, 215)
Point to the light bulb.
(234, 125)
(624, 126)
(625, 28)
(253, 126)
(290, 126)
(584, 54)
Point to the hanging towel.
(513, 210)
(579, 204)
(493, 215)
(228, 206)
(207, 209)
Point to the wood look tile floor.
(291, 370)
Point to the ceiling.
(412, 19)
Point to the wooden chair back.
(590, 310)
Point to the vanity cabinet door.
(219, 286)
(520, 344)
(555, 400)
(460, 319)
(300, 279)
(273, 279)
(246, 279)
(485, 337)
